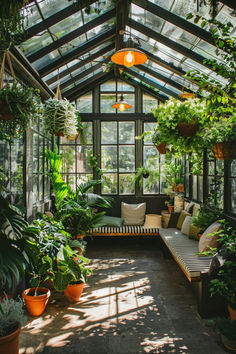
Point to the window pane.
(126, 159)
(109, 132)
(68, 159)
(195, 187)
(84, 103)
(126, 132)
(149, 127)
(123, 86)
(110, 185)
(108, 86)
(149, 102)
(126, 185)
(82, 158)
(109, 158)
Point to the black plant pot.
(145, 175)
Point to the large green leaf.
(62, 280)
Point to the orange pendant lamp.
(129, 56)
(121, 104)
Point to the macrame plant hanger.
(6, 114)
(58, 91)
(186, 94)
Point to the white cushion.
(133, 214)
(186, 225)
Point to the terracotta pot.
(36, 304)
(74, 291)
(228, 343)
(5, 113)
(57, 133)
(180, 188)
(10, 344)
(162, 148)
(232, 313)
(170, 208)
(224, 151)
(187, 129)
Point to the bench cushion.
(133, 230)
(184, 252)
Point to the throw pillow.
(111, 221)
(206, 240)
(193, 232)
(196, 207)
(152, 221)
(173, 220)
(133, 214)
(181, 218)
(190, 207)
(186, 225)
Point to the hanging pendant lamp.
(121, 104)
(186, 94)
(129, 56)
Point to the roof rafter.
(169, 43)
(83, 74)
(74, 67)
(80, 50)
(152, 83)
(88, 85)
(72, 35)
(175, 19)
(52, 20)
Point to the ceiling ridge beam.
(163, 78)
(80, 50)
(152, 83)
(89, 85)
(72, 35)
(175, 20)
(74, 67)
(83, 74)
(53, 19)
(169, 43)
(148, 90)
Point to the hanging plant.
(174, 113)
(11, 23)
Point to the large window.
(75, 164)
(118, 157)
(216, 177)
(149, 103)
(232, 188)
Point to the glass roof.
(58, 39)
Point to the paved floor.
(136, 302)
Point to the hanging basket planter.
(74, 137)
(187, 129)
(5, 113)
(224, 151)
(162, 148)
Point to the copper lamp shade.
(187, 95)
(129, 56)
(121, 104)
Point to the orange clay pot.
(10, 344)
(74, 291)
(36, 304)
(232, 313)
(170, 208)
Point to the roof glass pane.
(178, 35)
(35, 43)
(207, 50)
(42, 62)
(163, 3)
(159, 68)
(100, 29)
(96, 9)
(31, 15)
(50, 7)
(183, 7)
(142, 16)
(82, 80)
(225, 15)
(173, 89)
(67, 25)
(68, 47)
(80, 70)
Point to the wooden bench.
(123, 231)
(195, 268)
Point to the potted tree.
(221, 137)
(71, 273)
(11, 319)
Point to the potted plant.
(221, 136)
(158, 142)
(11, 319)
(227, 330)
(71, 273)
(61, 119)
(46, 239)
(141, 172)
(18, 105)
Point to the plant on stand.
(11, 319)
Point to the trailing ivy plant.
(221, 131)
(173, 112)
